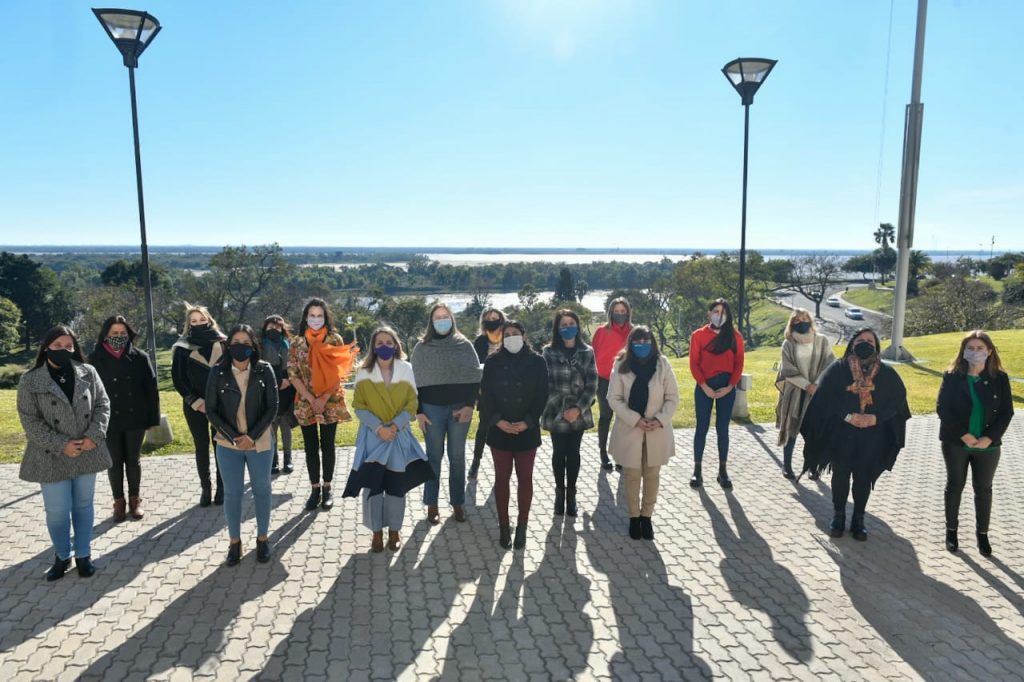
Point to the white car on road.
(854, 313)
(832, 301)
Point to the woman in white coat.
(643, 393)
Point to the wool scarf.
(445, 360)
(640, 391)
(329, 364)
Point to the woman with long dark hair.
(975, 407)
(572, 389)
(241, 402)
(64, 410)
(319, 362)
(609, 340)
(716, 362)
(856, 424)
(199, 348)
(447, 371)
(513, 394)
(130, 382)
(487, 343)
(275, 337)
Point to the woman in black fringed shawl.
(856, 424)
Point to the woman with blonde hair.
(805, 355)
(975, 407)
(199, 348)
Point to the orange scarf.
(329, 364)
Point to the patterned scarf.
(863, 384)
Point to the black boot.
(723, 477)
(274, 469)
(606, 463)
(262, 550)
(696, 480)
(857, 529)
(646, 529)
(983, 546)
(952, 544)
(326, 498)
(838, 525)
(59, 568)
(505, 536)
(570, 502)
(559, 501)
(234, 554)
(635, 529)
(218, 497)
(288, 468)
(314, 499)
(84, 566)
(204, 496)
(520, 536)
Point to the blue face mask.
(385, 353)
(568, 333)
(641, 350)
(443, 326)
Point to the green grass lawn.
(872, 299)
(921, 378)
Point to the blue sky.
(501, 123)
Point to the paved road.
(838, 325)
(738, 586)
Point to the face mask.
(385, 353)
(203, 327)
(117, 342)
(975, 357)
(620, 318)
(568, 333)
(59, 356)
(716, 320)
(802, 327)
(513, 344)
(240, 351)
(273, 335)
(443, 326)
(641, 350)
(863, 350)
(492, 325)
(315, 322)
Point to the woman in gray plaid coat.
(572, 389)
(64, 410)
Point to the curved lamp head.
(746, 75)
(131, 31)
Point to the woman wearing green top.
(975, 407)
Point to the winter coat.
(625, 444)
(131, 386)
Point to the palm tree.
(884, 234)
(920, 263)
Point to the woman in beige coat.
(643, 393)
(805, 355)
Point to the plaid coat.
(572, 382)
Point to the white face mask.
(975, 357)
(513, 344)
(315, 322)
(717, 320)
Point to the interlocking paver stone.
(742, 585)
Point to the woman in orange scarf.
(319, 362)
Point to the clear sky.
(502, 123)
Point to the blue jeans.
(723, 413)
(383, 510)
(442, 425)
(232, 470)
(69, 504)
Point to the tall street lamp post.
(132, 32)
(746, 75)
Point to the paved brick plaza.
(744, 585)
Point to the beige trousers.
(646, 477)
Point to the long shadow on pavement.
(929, 624)
(190, 631)
(757, 581)
(654, 617)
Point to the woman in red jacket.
(716, 362)
(608, 341)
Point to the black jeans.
(983, 471)
(841, 473)
(565, 458)
(125, 453)
(604, 422)
(318, 445)
(202, 434)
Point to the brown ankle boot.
(119, 514)
(135, 507)
(378, 542)
(394, 540)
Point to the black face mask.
(203, 333)
(59, 356)
(802, 327)
(273, 335)
(492, 325)
(863, 350)
(240, 351)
